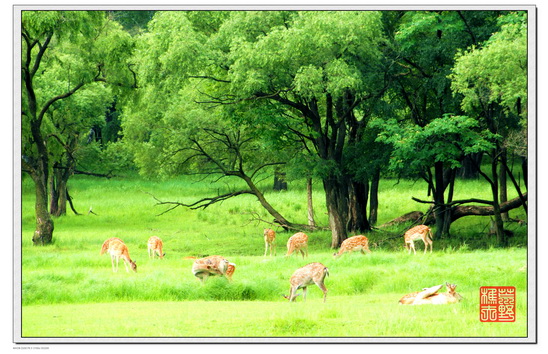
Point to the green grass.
(69, 286)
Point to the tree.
(497, 95)
(424, 45)
(305, 74)
(54, 69)
(440, 144)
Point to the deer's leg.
(323, 288)
(112, 263)
(304, 294)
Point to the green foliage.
(493, 73)
(446, 140)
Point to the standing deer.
(155, 246)
(117, 249)
(298, 243)
(269, 238)
(430, 296)
(418, 232)
(354, 243)
(212, 265)
(313, 273)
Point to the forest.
(342, 98)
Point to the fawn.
(299, 243)
(155, 246)
(354, 243)
(313, 273)
(212, 265)
(117, 249)
(431, 296)
(269, 238)
(418, 232)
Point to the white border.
(532, 183)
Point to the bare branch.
(200, 204)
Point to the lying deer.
(313, 273)
(210, 266)
(269, 238)
(354, 243)
(431, 296)
(418, 232)
(155, 246)
(118, 249)
(298, 243)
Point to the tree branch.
(200, 204)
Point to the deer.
(298, 243)
(104, 248)
(269, 238)
(155, 246)
(354, 243)
(418, 232)
(313, 273)
(210, 266)
(430, 296)
(118, 249)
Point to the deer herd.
(312, 273)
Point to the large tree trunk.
(337, 208)
(358, 194)
(43, 234)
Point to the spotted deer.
(313, 273)
(117, 249)
(298, 243)
(104, 248)
(210, 266)
(354, 243)
(432, 297)
(418, 232)
(269, 238)
(155, 246)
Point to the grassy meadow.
(69, 290)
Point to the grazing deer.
(313, 273)
(269, 238)
(430, 296)
(298, 243)
(104, 248)
(212, 265)
(155, 246)
(354, 243)
(418, 232)
(117, 249)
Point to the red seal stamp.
(497, 304)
